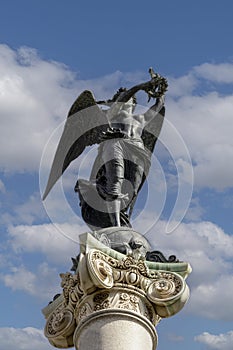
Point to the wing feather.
(152, 130)
(84, 126)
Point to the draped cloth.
(123, 158)
(120, 168)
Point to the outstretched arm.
(156, 87)
(125, 96)
(149, 87)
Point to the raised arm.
(126, 95)
(155, 88)
(154, 110)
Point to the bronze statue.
(126, 143)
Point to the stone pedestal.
(114, 301)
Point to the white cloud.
(2, 187)
(205, 123)
(27, 213)
(214, 300)
(209, 250)
(32, 96)
(44, 283)
(219, 73)
(30, 210)
(20, 278)
(216, 342)
(195, 211)
(190, 239)
(182, 86)
(23, 339)
(59, 243)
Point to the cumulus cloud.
(195, 211)
(216, 342)
(208, 298)
(32, 97)
(209, 250)
(2, 187)
(26, 213)
(205, 123)
(57, 242)
(43, 283)
(182, 85)
(219, 73)
(23, 339)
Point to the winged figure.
(126, 143)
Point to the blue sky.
(49, 53)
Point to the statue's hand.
(112, 133)
(156, 87)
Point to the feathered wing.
(150, 135)
(84, 126)
(152, 130)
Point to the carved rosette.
(167, 287)
(60, 327)
(101, 271)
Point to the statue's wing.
(84, 126)
(152, 130)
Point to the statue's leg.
(114, 212)
(113, 159)
(137, 178)
(114, 179)
(134, 171)
(114, 174)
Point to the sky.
(49, 53)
